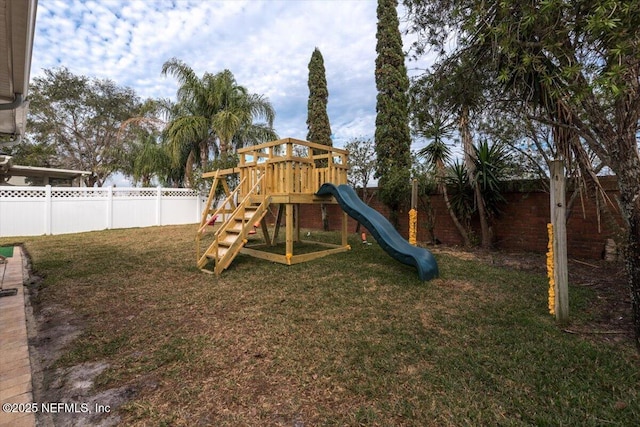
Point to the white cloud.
(266, 44)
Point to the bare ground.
(50, 329)
(609, 316)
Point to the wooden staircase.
(230, 238)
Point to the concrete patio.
(15, 365)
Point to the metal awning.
(17, 26)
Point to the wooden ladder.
(231, 237)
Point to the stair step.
(248, 214)
(221, 251)
(236, 228)
(228, 239)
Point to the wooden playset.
(283, 174)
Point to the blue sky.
(266, 44)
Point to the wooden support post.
(345, 232)
(296, 218)
(558, 219)
(265, 232)
(288, 174)
(227, 192)
(289, 230)
(276, 231)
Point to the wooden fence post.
(558, 219)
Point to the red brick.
(522, 226)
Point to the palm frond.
(186, 131)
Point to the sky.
(267, 45)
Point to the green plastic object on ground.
(385, 234)
(6, 251)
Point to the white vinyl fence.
(34, 211)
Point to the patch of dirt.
(75, 384)
(611, 308)
(67, 394)
(610, 316)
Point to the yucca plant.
(491, 162)
(462, 197)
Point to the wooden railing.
(222, 209)
(290, 166)
(238, 212)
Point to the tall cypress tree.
(319, 129)
(392, 137)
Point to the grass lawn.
(350, 339)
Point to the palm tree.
(237, 109)
(455, 86)
(465, 96)
(149, 159)
(438, 154)
(143, 154)
(430, 120)
(213, 115)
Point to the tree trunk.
(629, 184)
(445, 195)
(224, 149)
(91, 180)
(204, 155)
(632, 260)
(188, 170)
(454, 218)
(467, 145)
(615, 143)
(487, 239)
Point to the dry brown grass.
(350, 339)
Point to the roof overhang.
(17, 27)
(32, 171)
(7, 168)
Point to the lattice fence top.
(75, 193)
(84, 192)
(135, 192)
(22, 193)
(179, 192)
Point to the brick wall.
(522, 226)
